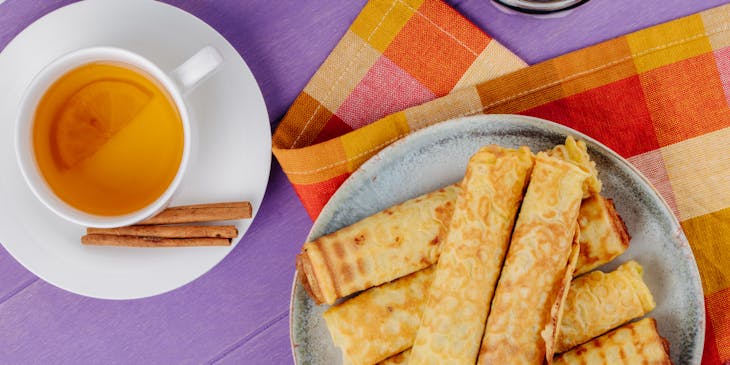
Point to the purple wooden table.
(238, 312)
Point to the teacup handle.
(196, 68)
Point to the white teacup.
(177, 83)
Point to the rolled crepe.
(603, 234)
(381, 321)
(576, 152)
(453, 319)
(634, 343)
(393, 243)
(550, 333)
(603, 237)
(344, 262)
(521, 325)
(595, 303)
(599, 302)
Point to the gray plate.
(437, 156)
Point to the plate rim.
(540, 123)
(258, 100)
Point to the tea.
(107, 138)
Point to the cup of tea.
(103, 134)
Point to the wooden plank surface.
(238, 312)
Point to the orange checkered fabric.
(397, 54)
(660, 97)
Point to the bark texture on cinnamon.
(137, 241)
(169, 231)
(201, 213)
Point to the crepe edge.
(550, 333)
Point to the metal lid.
(540, 6)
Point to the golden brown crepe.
(551, 332)
(634, 343)
(576, 152)
(603, 234)
(599, 302)
(390, 312)
(453, 319)
(393, 243)
(343, 262)
(520, 327)
(588, 312)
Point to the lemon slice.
(94, 114)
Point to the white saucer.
(230, 159)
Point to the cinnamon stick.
(137, 241)
(201, 213)
(169, 231)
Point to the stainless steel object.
(540, 6)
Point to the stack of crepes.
(480, 272)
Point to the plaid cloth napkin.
(396, 54)
(660, 97)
